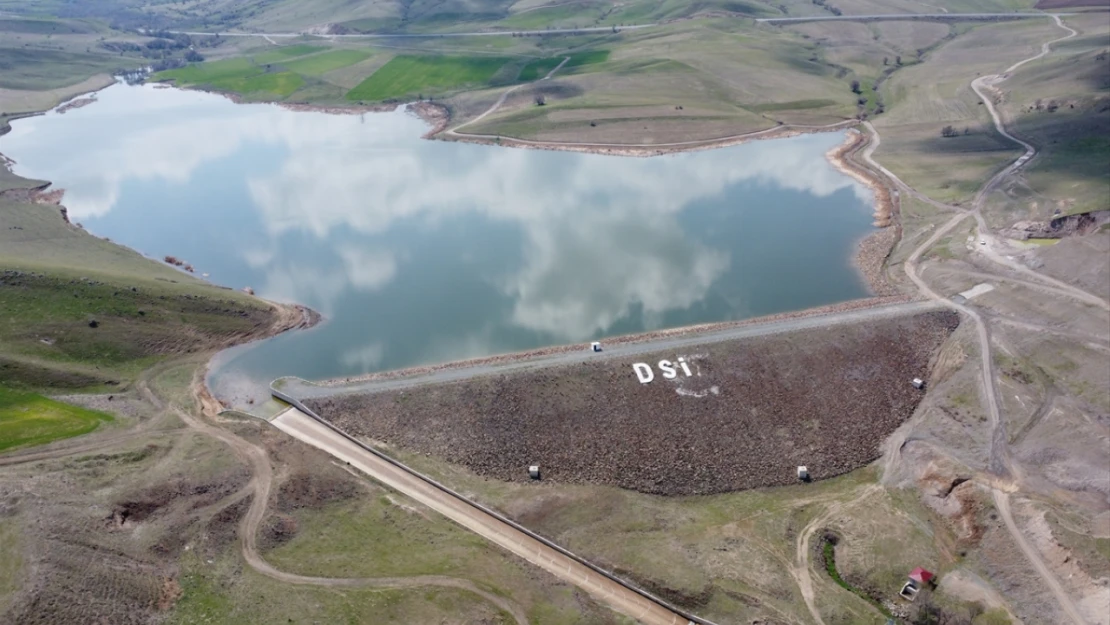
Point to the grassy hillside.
(30, 419)
(77, 311)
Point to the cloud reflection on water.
(601, 236)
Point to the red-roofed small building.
(920, 576)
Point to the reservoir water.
(421, 251)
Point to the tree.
(886, 61)
(540, 99)
(193, 56)
(855, 86)
(898, 60)
(948, 131)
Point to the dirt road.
(303, 427)
(802, 568)
(262, 478)
(1000, 461)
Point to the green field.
(411, 75)
(206, 73)
(322, 63)
(286, 52)
(540, 68)
(279, 84)
(30, 419)
(238, 75)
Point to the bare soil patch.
(751, 411)
(310, 490)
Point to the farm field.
(236, 75)
(322, 63)
(29, 419)
(285, 53)
(411, 75)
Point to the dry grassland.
(14, 101)
(727, 78)
(923, 98)
(1060, 104)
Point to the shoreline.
(869, 257)
(873, 250)
(438, 117)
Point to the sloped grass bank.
(31, 419)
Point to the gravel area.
(750, 413)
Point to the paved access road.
(303, 427)
(302, 390)
(900, 16)
(481, 33)
(602, 29)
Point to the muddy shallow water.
(422, 251)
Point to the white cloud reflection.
(601, 233)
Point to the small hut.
(803, 473)
(534, 471)
(921, 577)
(595, 346)
(918, 383)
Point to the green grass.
(374, 537)
(539, 68)
(277, 55)
(322, 63)
(222, 592)
(280, 84)
(144, 309)
(407, 75)
(30, 419)
(567, 15)
(238, 75)
(830, 566)
(205, 73)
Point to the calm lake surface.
(424, 251)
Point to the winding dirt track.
(801, 569)
(262, 477)
(1000, 461)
